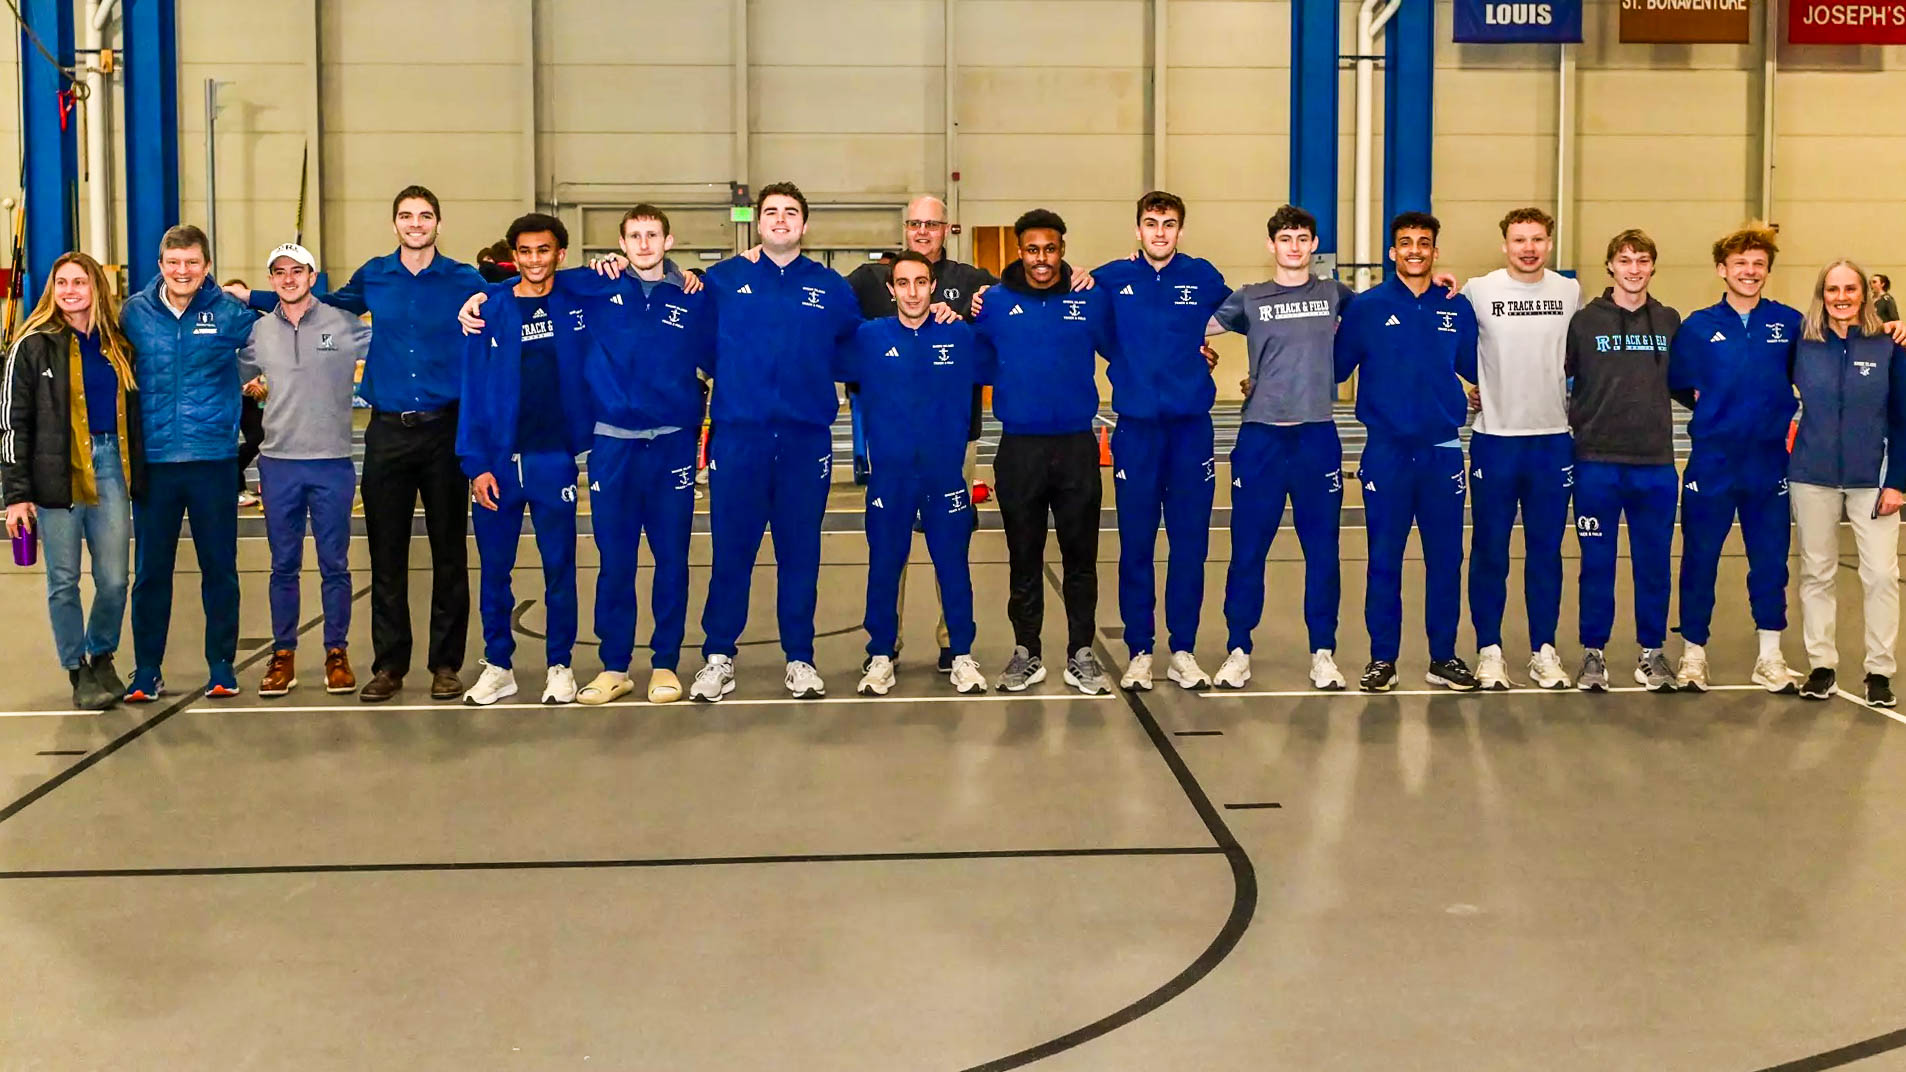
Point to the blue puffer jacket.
(188, 371)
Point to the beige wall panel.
(247, 231)
(1668, 102)
(1229, 33)
(1865, 226)
(1253, 168)
(1028, 167)
(258, 97)
(447, 33)
(1229, 233)
(1228, 100)
(1498, 103)
(1701, 168)
(850, 167)
(250, 165)
(602, 32)
(474, 166)
(1844, 104)
(847, 100)
(1499, 170)
(1052, 100)
(641, 158)
(245, 30)
(1684, 231)
(1096, 231)
(1054, 33)
(610, 99)
(828, 32)
(391, 97)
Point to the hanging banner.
(1499, 22)
(1841, 22)
(1720, 22)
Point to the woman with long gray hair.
(1852, 382)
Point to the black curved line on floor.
(1845, 1055)
(147, 726)
(517, 627)
(1243, 901)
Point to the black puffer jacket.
(36, 424)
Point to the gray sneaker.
(1653, 672)
(1023, 671)
(1593, 677)
(1083, 673)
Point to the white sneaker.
(876, 682)
(1324, 673)
(1772, 673)
(247, 499)
(1545, 666)
(1491, 672)
(714, 680)
(804, 682)
(1186, 673)
(495, 683)
(966, 676)
(560, 686)
(1235, 671)
(1691, 676)
(1138, 674)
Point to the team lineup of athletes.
(489, 394)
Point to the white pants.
(1816, 512)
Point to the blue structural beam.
(1409, 110)
(1313, 135)
(52, 154)
(152, 132)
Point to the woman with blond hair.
(71, 462)
(1852, 382)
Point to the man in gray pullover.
(302, 362)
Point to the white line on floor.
(685, 705)
(1888, 712)
(1226, 694)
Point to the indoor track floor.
(1171, 881)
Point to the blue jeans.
(106, 530)
(321, 490)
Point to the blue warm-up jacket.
(916, 389)
(1743, 373)
(187, 368)
(645, 350)
(1156, 364)
(778, 333)
(492, 384)
(1046, 382)
(1853, 411)
(1411, 350)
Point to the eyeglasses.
(925, 225)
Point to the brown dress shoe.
(338, 678)
(445, 684)
(383, 686)
(281, 674)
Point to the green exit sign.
(741, 214)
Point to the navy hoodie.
(1411, 350)
(1046, 382)
(778, 334)
(1157, 364)
(1853, 409)
(916, 390)
(1744, 376)
(645, 349)
(492, 383)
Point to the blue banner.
(1499, 22)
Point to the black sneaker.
(1453, 674)
(1819, 684)
(946, 661)
(1879, 691)
(1379, 676)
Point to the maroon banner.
(1847, 22)
(1686, 21)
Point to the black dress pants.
(1057, 475)
(404, 461)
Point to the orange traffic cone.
(1105, 447)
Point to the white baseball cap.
(296, 252)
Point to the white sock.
(1493, 649)
(1769, 642)
(618, 676)
(1694, 651)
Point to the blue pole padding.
(152, 132)
(52, 157)
(1313, 134)
(1409, 109)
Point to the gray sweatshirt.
(1290, 332)
(309, 372)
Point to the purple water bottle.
(26, 546)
